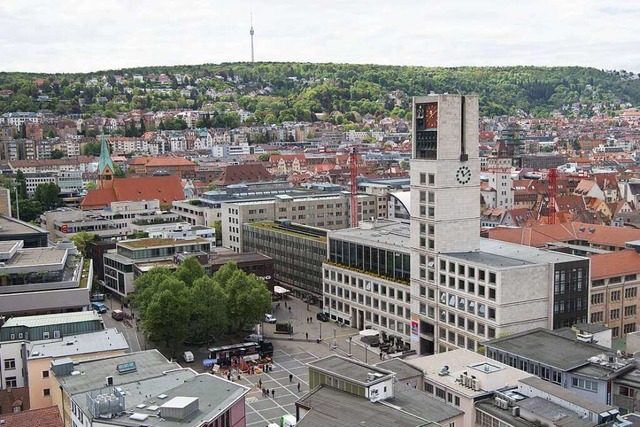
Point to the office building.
(298, 252)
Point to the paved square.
(261, 409)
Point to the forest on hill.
(277, 92)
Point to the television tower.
(251, 32)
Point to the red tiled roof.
(246, 172)
(540, 235)
(43, 417)
(166, 189)
(614, 264)
(168, 161)
(11, 397)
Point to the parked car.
(99, 307)
(270, 318)
(323, 317)
(117, 314)
(187, 356)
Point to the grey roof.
(566, 395)
(385, 234)
(401, 368)
(548, 348)
(349, 369)
(505, 415)
(15, 226)
(503, 255)
(560, 416)
(215, 396)
(52, 319)
(332, 407)
(423, 405)
(149, 364)
(93, 342)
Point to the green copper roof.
(105, 160)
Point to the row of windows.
(367, 300)
(394, 325)
(614, 280)
(367, 285)
(441, 394)
(458, 339)
(614, 295)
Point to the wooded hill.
(277, 92)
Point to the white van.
(253, 338)
(187, 356)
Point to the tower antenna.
(251, 32)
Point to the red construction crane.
(552, 191)
(353, 160)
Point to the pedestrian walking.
(273, 393)
(260, 383)
(285, 304)
(306, 334)
(289, 309)
(290, 377)
(263, 392)
(380, 355)
(298, 387)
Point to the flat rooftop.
(534, 345)
(462, 360)
(382, 233)
(349, 369)
(294, 229)
(566, 395)
(500, 255)
(336, 408)
(52, 319)
(149, 364)
(10, 226)
(80, 344)
(399, 367)
(155, 243)
(215, 396)
(37, 257)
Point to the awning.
(280, 290)
(368, 333)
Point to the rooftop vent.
(179, 407)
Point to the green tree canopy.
(189, 271)
(81, 239)
(48, 195)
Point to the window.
(631, 292)
(556, 377)
(9, 364)
(584, 384)
(629, 327)
(10, 382)
(597, 298)
(432, 179)
(46, 392)
(597, 317)
(440, 393)
(615, 296)
(456, 401)
(630, 311)
(615, 314)
(423, 178)
(45, 374)
(428, 388)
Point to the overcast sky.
(91, 35)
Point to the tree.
(189, 271)
(81, 239)
(21, 183)
(92, 148)
(57, 154)
(48, 195)
(146, 286)
(208, 316)
(91, 185)
(30, 209)
(118, 172)
(167, 317)
(248, 298)
(217, 226)
(264, 157)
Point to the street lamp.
(350, 338)
(366, 353)
(320, 323)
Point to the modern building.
(298, 252)
(366, 277)
(144, 388)
(464, 289)
(585, 368)
(459, 378)
(18, 334)
(119, 262)
(43, 279)
(329, 211)
(12, 229)
(345, 392)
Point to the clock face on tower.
(463, 175)
(431, 115)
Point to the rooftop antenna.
(251, 32)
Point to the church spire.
(106, 170)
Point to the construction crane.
(353, 160)
(552, 191)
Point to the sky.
(91, 35)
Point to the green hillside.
(277, 92)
